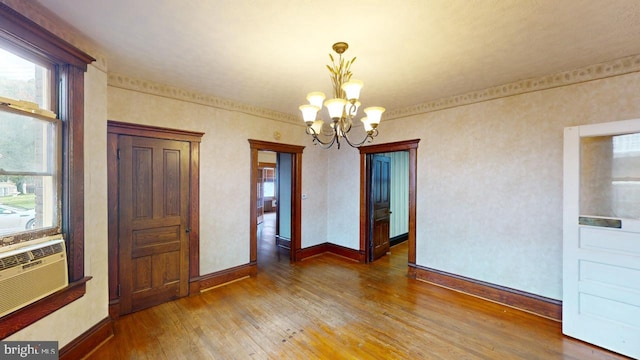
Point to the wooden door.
(601, 235)
(380, 203)
(153, 221)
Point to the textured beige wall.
(314, 187)
(267, 157)
(224, 168)
(489, 200)
(343, 197)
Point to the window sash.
(48, 209)
(53, 161)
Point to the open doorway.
(266, 205)
(274, 200)
(372, 210)
(389, 201)
(287, 194)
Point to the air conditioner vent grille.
(13, 260)
(46, 251)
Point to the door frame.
(115, 129)
(365, 190)
(296, 196)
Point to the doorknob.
(188, 229)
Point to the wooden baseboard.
(114, 309)
(221, 277)
(311, 251)
(398, 239)
(532, 303)
(330, 248)
(283, 242)
(90, 340)
(194, 286)
(348, 253)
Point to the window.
(22, 79)
(30, 148)
(269, 182)
(54, 161)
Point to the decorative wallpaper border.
(612, 68)
(153, 88)
(616, 67)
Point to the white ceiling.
(270, 53)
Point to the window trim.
(20, 33)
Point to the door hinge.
(118, 154)
(118, 290)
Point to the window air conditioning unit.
(31, 272)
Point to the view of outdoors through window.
(29, 149)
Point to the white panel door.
(601, 234)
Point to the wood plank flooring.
(328, 307)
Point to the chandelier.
(342, 109)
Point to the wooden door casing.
(296, 193)
(115, 129)
(366, 153)
(153, 221)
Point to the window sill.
(26, 316)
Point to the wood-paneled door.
(153, 208)
(381, 203)
(153, 215)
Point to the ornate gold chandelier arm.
(338, 133)
(368, 138)
(317, 140)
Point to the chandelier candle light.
(343, 108)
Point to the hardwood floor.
(328, 307)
